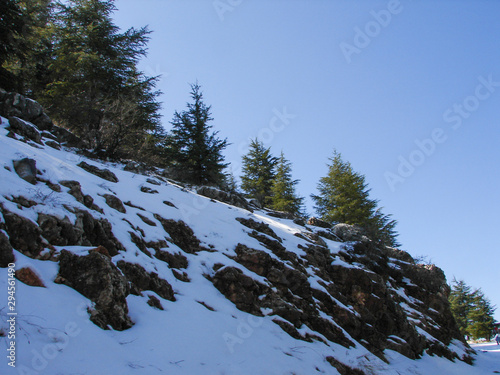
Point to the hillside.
(122, 271)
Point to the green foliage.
(344, 198)
(258, 173)
(12, 24)
(284, 196)
(473, 312)
(192, 149)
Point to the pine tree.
(284, 197)
(473, 312)
(344, 197)
(193, 150)
(258, 173)
(95, 87)
(12, 23)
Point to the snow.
(55, 335)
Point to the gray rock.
(115, 203)
(24, 129)
(26, 169)
(98, 279)
(105, 174)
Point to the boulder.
(29, 277)
(182, 235)
(143, 280)
(26, 169)
(347, 232)
(115, 203)
(13, 104)
(98, 279)
(105, 174)
(6, 251)
(318, 223)
(24, 129)
(24, 235)
(233, 199)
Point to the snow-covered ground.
(55, 336)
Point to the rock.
(27, 276)
(280, 214)
(130, 204)
(23, 202)
(13, 104)
(24, 235)
(43, 122)
(59, 232)
(170, 204)
(98, 279)
(26, 169)
(147, 220)
(6, 251)
(147, 189)
(24, 129)
(240, 289)
(233, 199)
(75, 189)
(182, 235)
(155, 302)
(53, 144)
(105, 174)
(258, 226)
(318, 223)
(136, 167)
(97, 232)
(174, 260)
(153, 182)
(68, 139)
(115, 203)
(146, 281)
(347, 232)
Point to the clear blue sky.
(372, 79)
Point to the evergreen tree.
(28, 63)
(258, 173)
(194, 151)
(12, 23)
(284, 197)
(95, 88)
(344, 197)
(473, 312)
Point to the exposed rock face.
(143, 280)
(24, 129)
(6, 251)
(24, 235)
(182, 235)
(13, 104)
(115, 203)
(98, 279)
(29, 277)
(26, 169)
(102, 173)
(86, 231)
(318, 223)
(223, 196)
(346, 232)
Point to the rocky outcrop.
(29, 277)
(182, 235)
(24, 129)
(318, 223)
(115, 203)
(24, 235)
(86, 231)
(233, 199)
(105, 174)
(98, 279)
(143, 280)
(6, 251)
(17, 105)
(26, 169)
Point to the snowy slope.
(201, 332)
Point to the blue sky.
(407, 91)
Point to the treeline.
(71, 57)
(473, 312)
